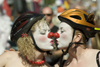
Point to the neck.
(38, 58)
(51, 25)
(76, 52)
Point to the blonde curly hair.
(25, 44)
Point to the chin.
(62, 47)
(47, 49)
(50, 48)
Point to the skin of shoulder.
(6, 57)
(95, 51)
(92, 52)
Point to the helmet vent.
(76, 17)
(91, 18)
(22, 24)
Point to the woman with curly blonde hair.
(30, 33)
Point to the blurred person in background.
(96, 40)
(48, 12)
(5, 25)
(60, 9)
(17, 7)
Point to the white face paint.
(66, 33)
(40, 36)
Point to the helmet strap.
(70, 44)
(35, 43)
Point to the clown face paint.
(40, 36)
(65, 38)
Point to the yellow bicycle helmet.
(80, 20)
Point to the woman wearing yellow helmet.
(75, 29)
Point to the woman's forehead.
(64, 24)
(43, 25)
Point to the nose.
(50, 35)
(56, 35)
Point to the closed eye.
(43, 32)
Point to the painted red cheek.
(42, 38)
(64, 36)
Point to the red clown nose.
(50, 35)
(56, 35)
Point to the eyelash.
(62, 31)
(43, 33)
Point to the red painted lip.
(56, 41)
(52, 41)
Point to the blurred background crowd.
(11, 9)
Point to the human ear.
(78, 37)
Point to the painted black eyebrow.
(42, 30)
(61, 28)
